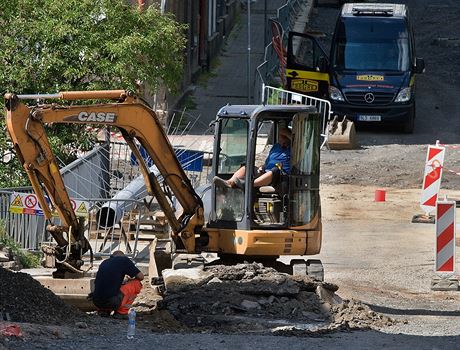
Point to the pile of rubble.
(23, 299)
(250, 297)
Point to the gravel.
(26, 300)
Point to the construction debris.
(26, 300)
(8, 260)
(242, 298)
(250, 297)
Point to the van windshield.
(371, 44)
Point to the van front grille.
(368, 98)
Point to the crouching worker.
(110, 294)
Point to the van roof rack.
(357, 11)
(374, 9)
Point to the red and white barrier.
(445, 237)
(432, 178)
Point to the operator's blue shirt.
(110, 276)
(280, 155)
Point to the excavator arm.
(136, 121)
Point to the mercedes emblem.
(369, 97)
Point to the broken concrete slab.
(278, 285)
(4, 257)
(444, 284)
(183, 279)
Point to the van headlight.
(404, 95)
(335, 94)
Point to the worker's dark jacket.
(108, 281)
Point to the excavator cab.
(244, 136)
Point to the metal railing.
(27, 230)
(271, 95)
(95, 178)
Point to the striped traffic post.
(445, 247)
(445, 237)
(432, 178)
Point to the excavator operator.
(110, 294)
(277, 161)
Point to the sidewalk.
(228, 82)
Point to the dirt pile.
(26, 300)
(252, 298)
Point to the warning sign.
(82, 209)
(30, 201)
(16, 204)
(27, 203)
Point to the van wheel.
(408, 126)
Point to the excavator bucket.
(341, 134)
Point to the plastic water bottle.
(131, 324)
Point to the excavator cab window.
(270, 202)
(233, 145)
(229, 203)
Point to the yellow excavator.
(248, 222)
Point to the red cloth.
(130, 290)
(11, 331)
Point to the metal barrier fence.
(271, 95)
(27, 230)
(266, 72)
(97, 176)
(115, 225)
(86, 177)
(105, 230)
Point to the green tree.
(53, 45)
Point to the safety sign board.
(432, 178)
(27, 203)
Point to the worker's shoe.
(221, 182)
(119, 316)
(237, 183)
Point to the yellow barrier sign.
(27, 203)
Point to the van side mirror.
(419, 65)
(323, 64)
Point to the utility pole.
(265, 24)
(249, 51)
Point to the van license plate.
(369, 118)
